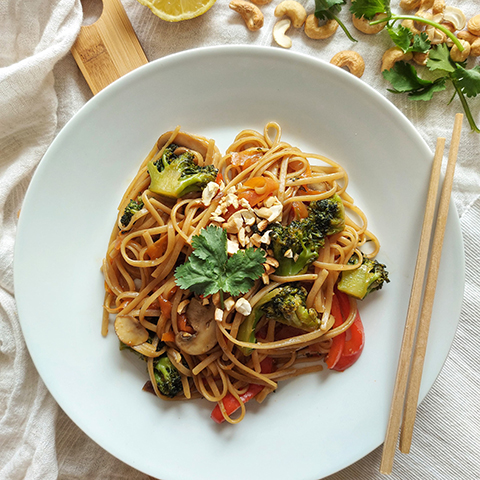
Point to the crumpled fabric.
(41, 88)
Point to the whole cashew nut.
(392, 56)
(279, 33)
(466, 35)
(473, 25)
(294, 10)
(250, 13)
(438, 6)
(261, 2)
(410, 4)
(410, 24)
(364, 26)
(351, 60)
(475, 48)
(459, 56)
(319, 32)
(420, 58)
(455, 16)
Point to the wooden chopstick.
(429, 295)
(398, 399)
(414, 303)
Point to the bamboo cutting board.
(109, 48)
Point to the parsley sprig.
(328, 10)
(209, 269)
(466, 82)
(370, 8)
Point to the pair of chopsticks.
(410, 368)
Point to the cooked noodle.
(142, 256)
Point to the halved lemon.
(178, 10)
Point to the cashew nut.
(466, 35)
(473, 25)
(455, 16)
(420, 58)
(364, 26)
(475, 48)
(351, 60)
(438, 6)
(459, 56)
(294, 10)
(409, 4)
(435, 35)
(448, 26)
(279, 33)
(392, 56)
(426, 4)
(319, 32)
(410, 24)
(250, 13)
(261, 2)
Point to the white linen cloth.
(41, 88)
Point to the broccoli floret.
(287, 305)
(168, 378)
(297, 245)
(369, 276)
(131, 209)
(174, 175)
(327, 215)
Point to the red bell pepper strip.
(231, 404)
(338, 342)
(355, 336)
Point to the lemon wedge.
(178, 10)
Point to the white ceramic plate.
(314, 425)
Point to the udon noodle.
(139, 267)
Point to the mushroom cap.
(202, 319)
(130, 331)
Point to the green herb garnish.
(370, 8)
(209, 269)
(466, 82)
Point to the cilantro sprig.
(404, 38)
(370, 8)
(466, 82)
(328, 10)
(209, 269)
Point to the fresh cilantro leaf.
(242, 269)
(404, 79)
(401, 37)
(369, 8)
(426, 93)
(326, 9)
(211, 244)
(439, 59)
(421, 43)
(199, 276)
(468, 80)
(209, 270)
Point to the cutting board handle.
(109, 48)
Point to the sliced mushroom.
(130, 331)
(202, 319)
